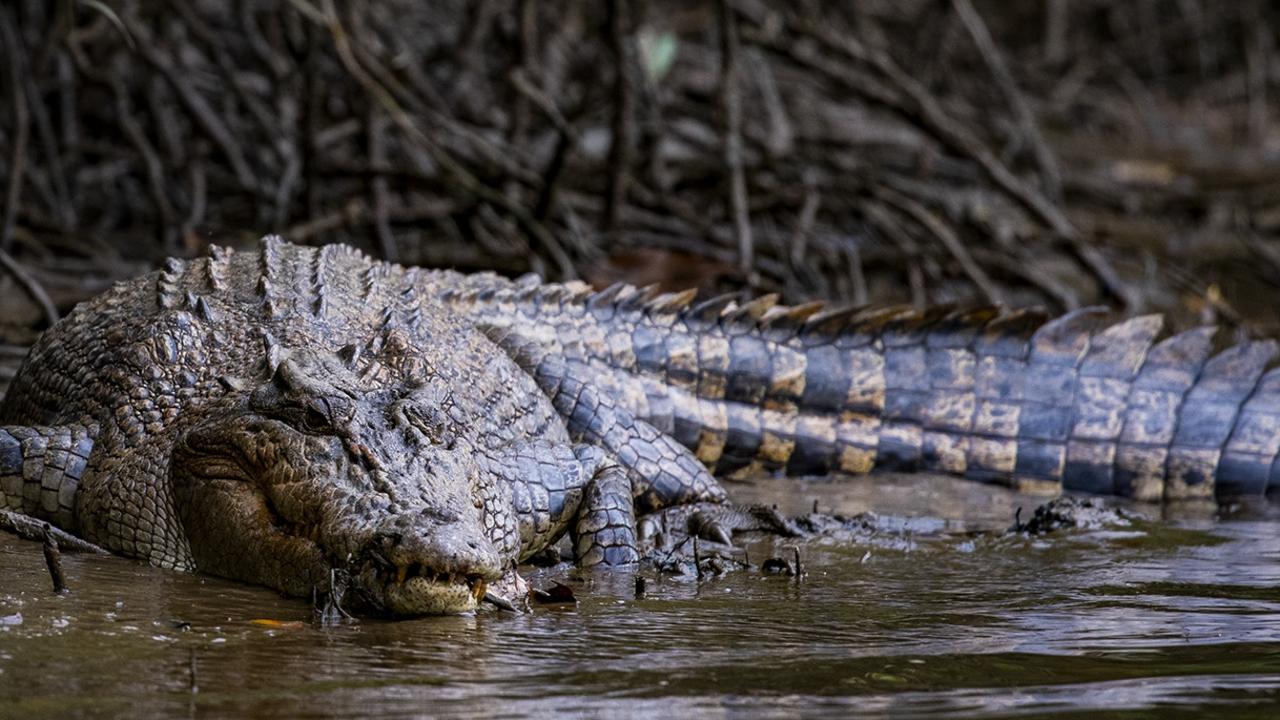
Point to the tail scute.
(1013, 397)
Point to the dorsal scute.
(671, 302)
(892, 325)
(1190, 348)
(217, 262)
(831, 318)
(1065, 339)
(1230, 376)
(168, 294)
(601, 304)
(371, 280)
(960, 328)
(708, 311)
(635, 301)
(204, 310)
(272, 353)
(1009, 334)
(747, 314)
(1119, 350)
(781, 323)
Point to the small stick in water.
(193, 684)
(53, 558)
(799, 568)
(640, 583)
(29, 528)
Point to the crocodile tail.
(1009, 397)
(40, 470)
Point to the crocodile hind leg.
(662, 472)
(581, 489)
(41, 468)
(710, 521)
(657, 472)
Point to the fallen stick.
(53, 559)
(29, 528)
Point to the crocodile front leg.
(547, 482)
(556, 489)
(605, 533)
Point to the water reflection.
(1182, 612)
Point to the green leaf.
(657, 52)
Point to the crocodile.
(281, 413)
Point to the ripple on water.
(1182, 615)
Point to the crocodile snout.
(443, 551)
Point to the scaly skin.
(271, 416)
(1013, 398)
(274, 415)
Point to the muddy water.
(919, 618)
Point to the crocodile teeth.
(417, 570)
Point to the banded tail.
(41, 468)
(1007, 397)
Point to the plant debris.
(965, 151)
(557, 594)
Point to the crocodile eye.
(315, 420)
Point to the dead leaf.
(278, 624)
(557, 594)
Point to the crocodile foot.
(714, 522)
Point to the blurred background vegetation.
(1057, 152)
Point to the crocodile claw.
(704, 526)
(715, 522)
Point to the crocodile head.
(319, 467)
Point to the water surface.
(1180, 615)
